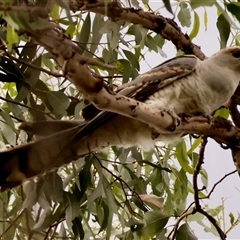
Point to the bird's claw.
(176, 119)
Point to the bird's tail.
(38, 157)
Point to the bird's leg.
(176, 119)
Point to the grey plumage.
(183, 84)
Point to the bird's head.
(228, 57)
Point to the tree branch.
(198, 207)
(218, 182)
(166, 27)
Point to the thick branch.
(75, 67)
(221, 130)
(166, 27)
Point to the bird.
(183, 84)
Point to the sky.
(218, 162)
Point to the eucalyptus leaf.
(234, 8)
(205, 3)
(184, 232)
(168, 5)
(83, 37)
(72, 208)
(184, 15)
(154, 223)
(223, 29)
(196, 26)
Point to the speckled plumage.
(183, 84)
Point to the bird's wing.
(152, 81)
(145, 85)
(159, 77)
(17, 162)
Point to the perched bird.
(183, 84)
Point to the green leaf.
(59, 102)
(113, 38)
(78, 228)
(197, 3)
(14, 108)
(139, 33)
(102, 213)
(234, 8)
(55, 12)
(85, 177)
(215, 211)
(125, 66)
(159, 40)
(28, 53)
(70, 30)
(154, 223)
(53, 186)
(196, 25)
(96, 36)
(11, 71)
(182, 157)
(135, 3)
(31, 77)
(180, 191)
(132, 59)
(72, 209)
(150, 43)
(168, 5)
(83, 37)
(12, 36)
(194, 145)
(184, 15)
(185, 233)
(204, 177)
(232, 219)
(222, 112)
(223, 29)
(8, 120)
(109, 195)
(205, 19)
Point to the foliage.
(117, 193)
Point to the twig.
(121, 181)
(25, 106)
(198, 207)
(215, 185)
(174, 231)
(37, 68)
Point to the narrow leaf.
(168, 5)
(155, 222)
(133, 60)
(182, 157)
(96, 36)
(84, 34)
(196, 25)
(234, 8)
(184, 15)
(72, 208)
(205, 17)
(223, 29)
(197, 3)
(184, 232)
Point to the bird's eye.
(236, 53)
